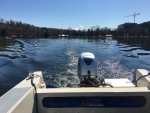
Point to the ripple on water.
(145, 59)
(68, 77)
(111, 69)
(4, 62)
(107, 69)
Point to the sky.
(75, 13)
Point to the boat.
(109, 35)
(63, 35)
(93, 95)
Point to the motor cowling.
(87, 66)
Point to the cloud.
(79, 28)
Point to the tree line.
(18, 29)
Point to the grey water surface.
(57, 58)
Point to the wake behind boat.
(93, 95)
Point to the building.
(127, 25)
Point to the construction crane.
(135, 14)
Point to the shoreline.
(79, 37)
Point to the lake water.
(57, 59)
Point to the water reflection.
(6, 42)
(135, 47)
(11, 49)
(144, 42)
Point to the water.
(57, 59)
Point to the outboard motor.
(87, 66)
